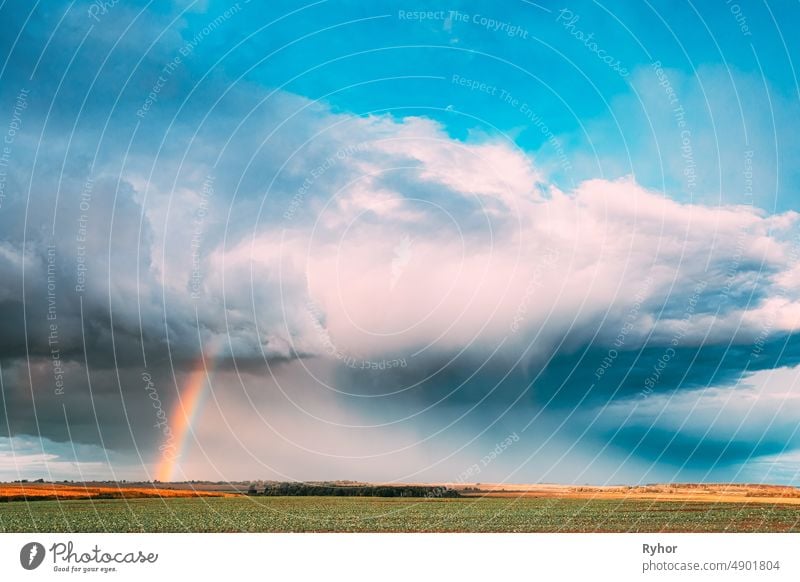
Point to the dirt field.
(711, 493)
(69, 491)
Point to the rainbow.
(190, 402)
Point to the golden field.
(71, 491)
(711, 493)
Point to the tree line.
(321, 489)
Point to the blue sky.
(407, 231)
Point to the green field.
(342, 514)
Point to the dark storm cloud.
(568, 385)
(116, 197)
(692, 451)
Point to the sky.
(400, 241)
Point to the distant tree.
(324, 489)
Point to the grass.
(345, 514)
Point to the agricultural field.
(65, 492)
(366, 514)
